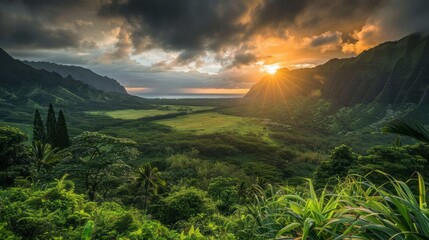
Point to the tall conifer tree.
(62, 135)
(38, 128)
(51, 126)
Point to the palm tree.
(407, 128)
(148, 180)
(43, 155)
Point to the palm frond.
(407, 128)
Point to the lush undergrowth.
(212, 171)
(354, 209)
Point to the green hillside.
(394, 73)
(24, 86)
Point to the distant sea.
(186, 96)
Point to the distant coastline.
(186, 96)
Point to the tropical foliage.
(355, 209)
(100, 186)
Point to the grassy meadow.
(210, 122)
(132, 114)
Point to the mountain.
(23, 85)
(81, 74)
(394, 73)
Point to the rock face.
(21, 84)
(394, 73)
(81, 74)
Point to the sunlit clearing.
(270, 69)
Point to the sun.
(270, 69)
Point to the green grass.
(209, 122)
(132, 114)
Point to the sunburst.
(270, 69)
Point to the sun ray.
(270, 69)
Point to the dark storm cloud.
(31, 33)
(48, 3)
(181, 24)
(338, 15)
(37, 25)
(325, 39)
(48, 11)
(187, 56)
(243, 59)
(277, 13)
(50, 8)
(310, 17)
(404, 17)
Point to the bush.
(224, 191)
(336, 167)
(183, 204)
(396, 161)
(14, 158)
(58, 212)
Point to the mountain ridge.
(23, 85)
(395, 72)
(82, 74)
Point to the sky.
(201, 46)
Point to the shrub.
(58, 212)
(183, 204)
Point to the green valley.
(338, 150)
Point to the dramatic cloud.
(19, 30)
(123, 48)
(180, 24)
(244, 59)
(40, 24)
(336, 15)
(397, 19)
(328, 41)
(202, 43)
(277, 14)
(195, 27)
(28, 33)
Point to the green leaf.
(88, 230)
(287, 229)
(407, 128)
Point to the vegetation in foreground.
(102, 187)
(355, 208)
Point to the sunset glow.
(222, 45)
(137, 89)
(225, 91)
(217, 90)
(270, 69)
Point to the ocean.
(186, 96)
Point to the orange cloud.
(138, 89)
(367, 37)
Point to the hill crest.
(82, 74)
(394, 73)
